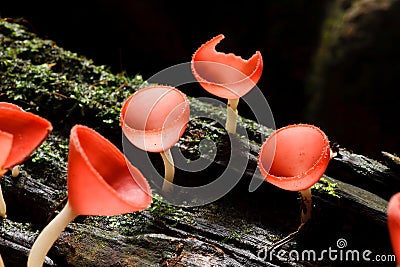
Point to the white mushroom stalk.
(49, 235)
(231, 115)
(169, 171)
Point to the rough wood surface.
(349, 202)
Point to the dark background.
(145, 37)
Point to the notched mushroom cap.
(225, 75)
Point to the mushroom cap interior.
(101, 181)
(225, 74)
(151, 108)
(295, 157)
(154, 118)
(28, 130)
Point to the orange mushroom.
(154, 119)
(393, 217)
(101, 182)
(294, 158)
(226, 75)
(21, 133)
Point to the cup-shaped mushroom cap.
(225, 75)
(101, 181)
(393, 216)
(10, 105)
(28, 131)
(5, 148)
(154, 118)
(294, 157)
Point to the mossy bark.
(233, 231)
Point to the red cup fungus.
(226, 75)
(101, 182)
(19, 137)
(294, 158)
(154, 119)
(393, 218)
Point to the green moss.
(126, 224)
(326, 186)
(49, 161)
(197, 131)
(140, 222)
(234, 235)
(207, 112)
(10, 229)
(53, 149)
(162, 210)
(65, 88)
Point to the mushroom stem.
(49, 235)
(332, 154)
(2, 204)
(231, 116)
(307, 205)
(169, 171)
(15, 171)
(306, 198)
(285, 240)
(1, 262)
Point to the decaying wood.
(349, 202)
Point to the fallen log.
(237, 229)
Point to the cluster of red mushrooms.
(153, 119)
(94, 188)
